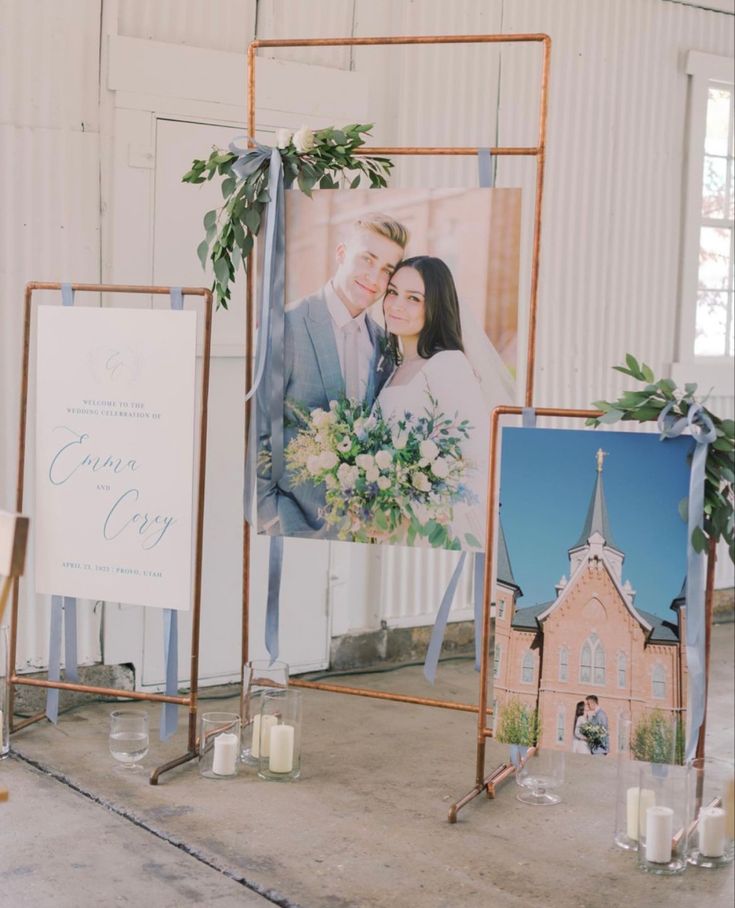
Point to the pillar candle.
(728, 802)
(281, 755)
(637, 802)
(226, 747)
(267, 724)
(659, 831)
(712, 832)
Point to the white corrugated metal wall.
(617, 124)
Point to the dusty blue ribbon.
(437, 634)
(528, 418)
(703, 432)
(170, 711)
(275, 569)
(484, 167)
(63, 614)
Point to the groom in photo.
(332, 350)
(597, 716)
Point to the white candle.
(226, 747)
(659, 830)
(712, 822)
(267, 724)
(281, 755)
(637, 804)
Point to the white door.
(304, 630)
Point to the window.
(560, 722)
(501, 609)
(706, 339)
(496, 660)
(622, 670)
(659, 682)
(527, 670)
(592, 661)
(563, 664)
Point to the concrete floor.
(365, 826)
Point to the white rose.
(383, 459)
(303, 140)
(428, 449)
(365, 461)
(319, 417)
(347, 476)
(383, 483)
(400, 441)
(421, 482)
(372, 474)
(283, 138)
(328, 459)
(359, 427)
(423, 462)
(313, 464)
(440, 468)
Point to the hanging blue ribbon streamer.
(437, 635)
(275, 569)
(528, 418)
(484, 166)
(170, 711)
(703, 432)
(63, 615)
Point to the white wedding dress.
(580, 744)
(449, 378)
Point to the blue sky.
(547, 478)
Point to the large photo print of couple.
(400, 338)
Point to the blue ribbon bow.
(703, 432)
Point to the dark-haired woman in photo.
(580, 745)
(422, 318)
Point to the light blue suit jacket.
(312, 379)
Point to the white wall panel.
(307, 19)
(222, 25)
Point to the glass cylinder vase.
(539, 777)
(712, 828)
(664, 799)
(258, 675)
(4, 692)
(219, 745)
(279, 743)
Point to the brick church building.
(590, 638)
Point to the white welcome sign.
(115, 418)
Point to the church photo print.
(400, 337)
(590, 606)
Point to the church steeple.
(597, 520)
(505, 571)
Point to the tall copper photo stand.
(538, 152)
(191, 700)
(488, 783)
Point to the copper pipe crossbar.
(537, 151)
(191, 699)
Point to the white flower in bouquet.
(421, 482)
(440, 468)
(428, 449)
(314, 464)
(330, 481)
(347, 476)
(321, 419)
(303, 140)
(283, 138)
(372, 474)
(359, 428)
(328, 460)
(365, 461)
(423, 462)
(344, 445)
(400, 440)
(383, 459)
(383, 483)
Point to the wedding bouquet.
(594, 734)
(394, 482)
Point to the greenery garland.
(719, 484)
(325, 158)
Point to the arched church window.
(527, 670)
(563, 664)
(560, 723)
(622, 670)
(496, 660)
(592, 661)
(659, 682)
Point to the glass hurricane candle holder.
(219, 745)
(128, 737)
(279, 743)
(258, 675)
(4, 693)
(712, 813)
(663, 817)
(539, 776)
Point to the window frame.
(709, 371)
(658, 676)
(527, 662)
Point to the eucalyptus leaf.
(203, 252)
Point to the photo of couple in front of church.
(400, 337)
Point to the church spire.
(597, 519)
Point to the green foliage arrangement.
(646, 405)
(325, 159)
(517, 724)
(657, 738)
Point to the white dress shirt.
(347, 347)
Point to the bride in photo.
(424, 323)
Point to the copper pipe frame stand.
(172, 764)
